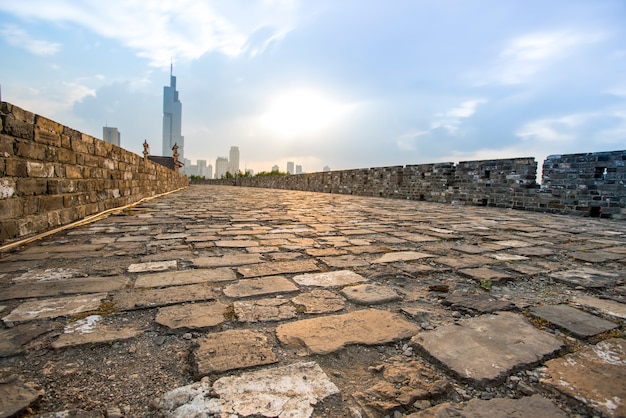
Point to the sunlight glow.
(301, 111)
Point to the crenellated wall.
(591, 184)
(52, 175)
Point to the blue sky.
(348, 83)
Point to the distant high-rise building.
(111, 135)
(172, 120)
(275, 169)
(326, 168)
(221, 167)
(233, 160)
(290, 167)
(298, 169)
(209, 172)
(201, 168)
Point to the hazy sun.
(301, 111)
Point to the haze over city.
(345, 84)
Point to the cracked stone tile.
(153, 266)
(329, 279)
(16, 396)
(401, 256)
(192, 315)
(226, 260)
(282, 267)
(63, 287)
(464, 261)
(231, 350)
(55, 307)
(323, 335)
(497, 343)
(603, 306)
(594, 374)
(12, 340)
(370, 294)
(90, 330)
(596, 256)
(481, 302)
(345, 261)
(261, 286)
(577, 322)
(484, 274)
(142, 298)
(264, 310)
(586, 277)
(319, 301)
(182, 277)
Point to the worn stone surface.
(231, 350)
(370, 294)
(153, 266)
(192, 315)
(324, 335)
(90, 330)
(535, 406)
(595, 375)
(181, 277)
(287, 391)
(263, 310)
(487, 347)
(480, 302)
(575, 321)
(329, 279)
(401, 256)
(16, 396)
(263, 286)
(603, 306)
(54, 307)
(283, 267)
(63, 287)
(586, 277)
(226, 260)
(319, 301)
(485, 274)
(145, 298)
(12, 340)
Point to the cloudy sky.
(343, 83)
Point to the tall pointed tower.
(172, 119)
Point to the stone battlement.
(52, 175)
(591, 184)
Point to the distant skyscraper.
(221, 167)
(209, 171)
(326, 168)
(290, 167)
(201, 168)
(172, 120)
(298, 169)
(233, 160)
(111, 135)
(275, 169)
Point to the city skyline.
(329, 84)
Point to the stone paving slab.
(487, 347)
(575, 321)
(319, 301)
(226, 260)
(262, 286)
(232, 350)
(182, 277)
(603, 306)
(16, 396)
(283, 267)
(326, 334)
(149, 298)
(329, 279)
(346, 261)
(586, 277)
(370, 294)
(465, 261)
(153, 266)
(287, 391)
(90, 331)
(596, 256)
(480, 302)
(63, 287)
(595, 375)
(534, 406)
(401, 256)
(192, 315)
(12, 340)
(237, 243)
(264, 310)
(55, 307)
(485, 274)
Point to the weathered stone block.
(31, 186)
(11, 208)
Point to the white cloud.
(158, 31)
(19, 38)
(451, 119)
(524, 57)
(408, 141)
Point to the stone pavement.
(224, 301)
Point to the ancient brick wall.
(571, 184)
(52, 175)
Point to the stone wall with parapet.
(571, 184)
(52, 175)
